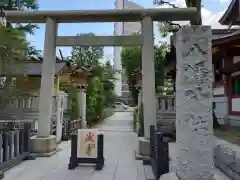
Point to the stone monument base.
(169, 176)
(173, 176)
(43, 146)
(143, 151)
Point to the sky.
(211, 12)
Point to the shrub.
(73, 103)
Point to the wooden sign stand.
(75, 160)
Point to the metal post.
(100, 158)
(73, 159)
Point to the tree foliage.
(167, 27)
(73, 103)
(14, 5)
(108, 80)
(22, 5)
(13, 51)
(87, 55)
(100, 90)
(132, 59)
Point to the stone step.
(167, 118)
(166, 121)
(148, 172)
(166, 115)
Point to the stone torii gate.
(188, 37)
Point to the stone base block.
(43, 146)
(143, 146)
(141, 157)
(169, 176)
(143, 151)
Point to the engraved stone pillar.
(194, 122)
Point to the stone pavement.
(120, 144)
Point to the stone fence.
(166, 103)
(26, 107)
(14, 144)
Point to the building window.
(236, 86)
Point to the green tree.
(95, 100)
(33, 51)
(100, 83)
(132, 59)
(108, 80)
(13, 51)
(87, 55)
(167, 27)
(13, 5)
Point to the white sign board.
(87, 143)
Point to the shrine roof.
(219, 36)
(232, 14)
(80, 70)
(226, 38)
(33, 66)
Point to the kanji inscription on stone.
(194, 103)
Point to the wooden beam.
(134, 40)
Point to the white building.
(127, 28)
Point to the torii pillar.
(148, 86)
(44, 144)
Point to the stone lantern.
(79, 78)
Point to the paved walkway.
(120, 143)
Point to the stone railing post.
(59, 123)
(82, 104)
